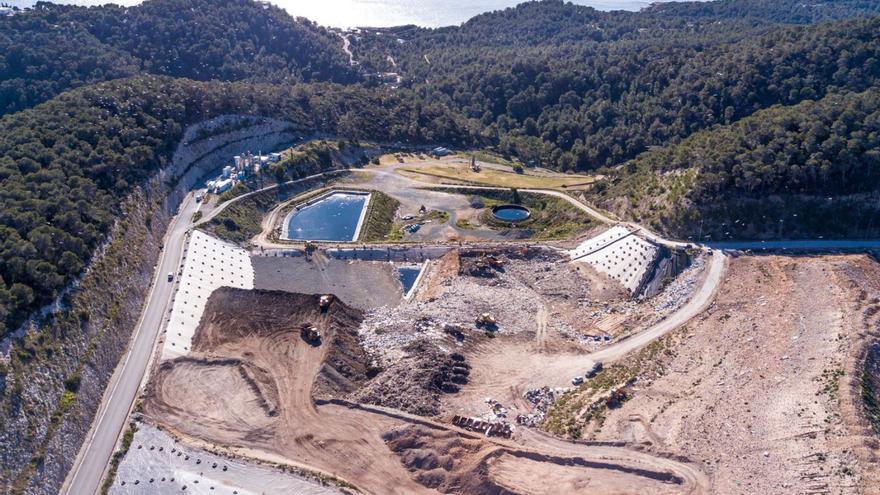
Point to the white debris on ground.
(156, 463)
(679, 290)
(513, 297)
(385, 331)
(541, 398)
(208, 265)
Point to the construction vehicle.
(488, 261)
(325, 301)
(311, 334)
(486, 321)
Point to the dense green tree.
(575, 88)
(66, 164)
(52, 48)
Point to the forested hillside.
(56, 47)
(807, 170)
(552, 22)
(66, 164)
(783, 11)
(582, 106)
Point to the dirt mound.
(444, 461)
(416, 382)
(452, 463)
(233, 315)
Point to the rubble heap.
(542, 398)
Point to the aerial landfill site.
(474, 360)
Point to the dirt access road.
(94, 456)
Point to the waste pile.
(542, 398)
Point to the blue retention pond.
(407, 275)
(334, 217)
(511, 213)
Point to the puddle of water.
(332, 218)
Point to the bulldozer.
(310, 334)
(486, 321)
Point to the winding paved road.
(94, 456)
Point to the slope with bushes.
(807, 170)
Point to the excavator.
(486, 321)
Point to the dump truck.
(311, 334)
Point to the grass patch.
(241, 220)
(492, 177)
(463, 224)
(436, 216)
(379, 222)
(551, 217)
(572, 413)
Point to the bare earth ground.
(260, 402)
(758, 386)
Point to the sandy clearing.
(756, 385)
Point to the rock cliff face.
(62, 365)
(871, 386)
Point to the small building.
(274, 157)
(239, 164)
(6, 11)
(221, 186)
(227, 171)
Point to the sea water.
(385, 13)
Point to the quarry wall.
(47, 406)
